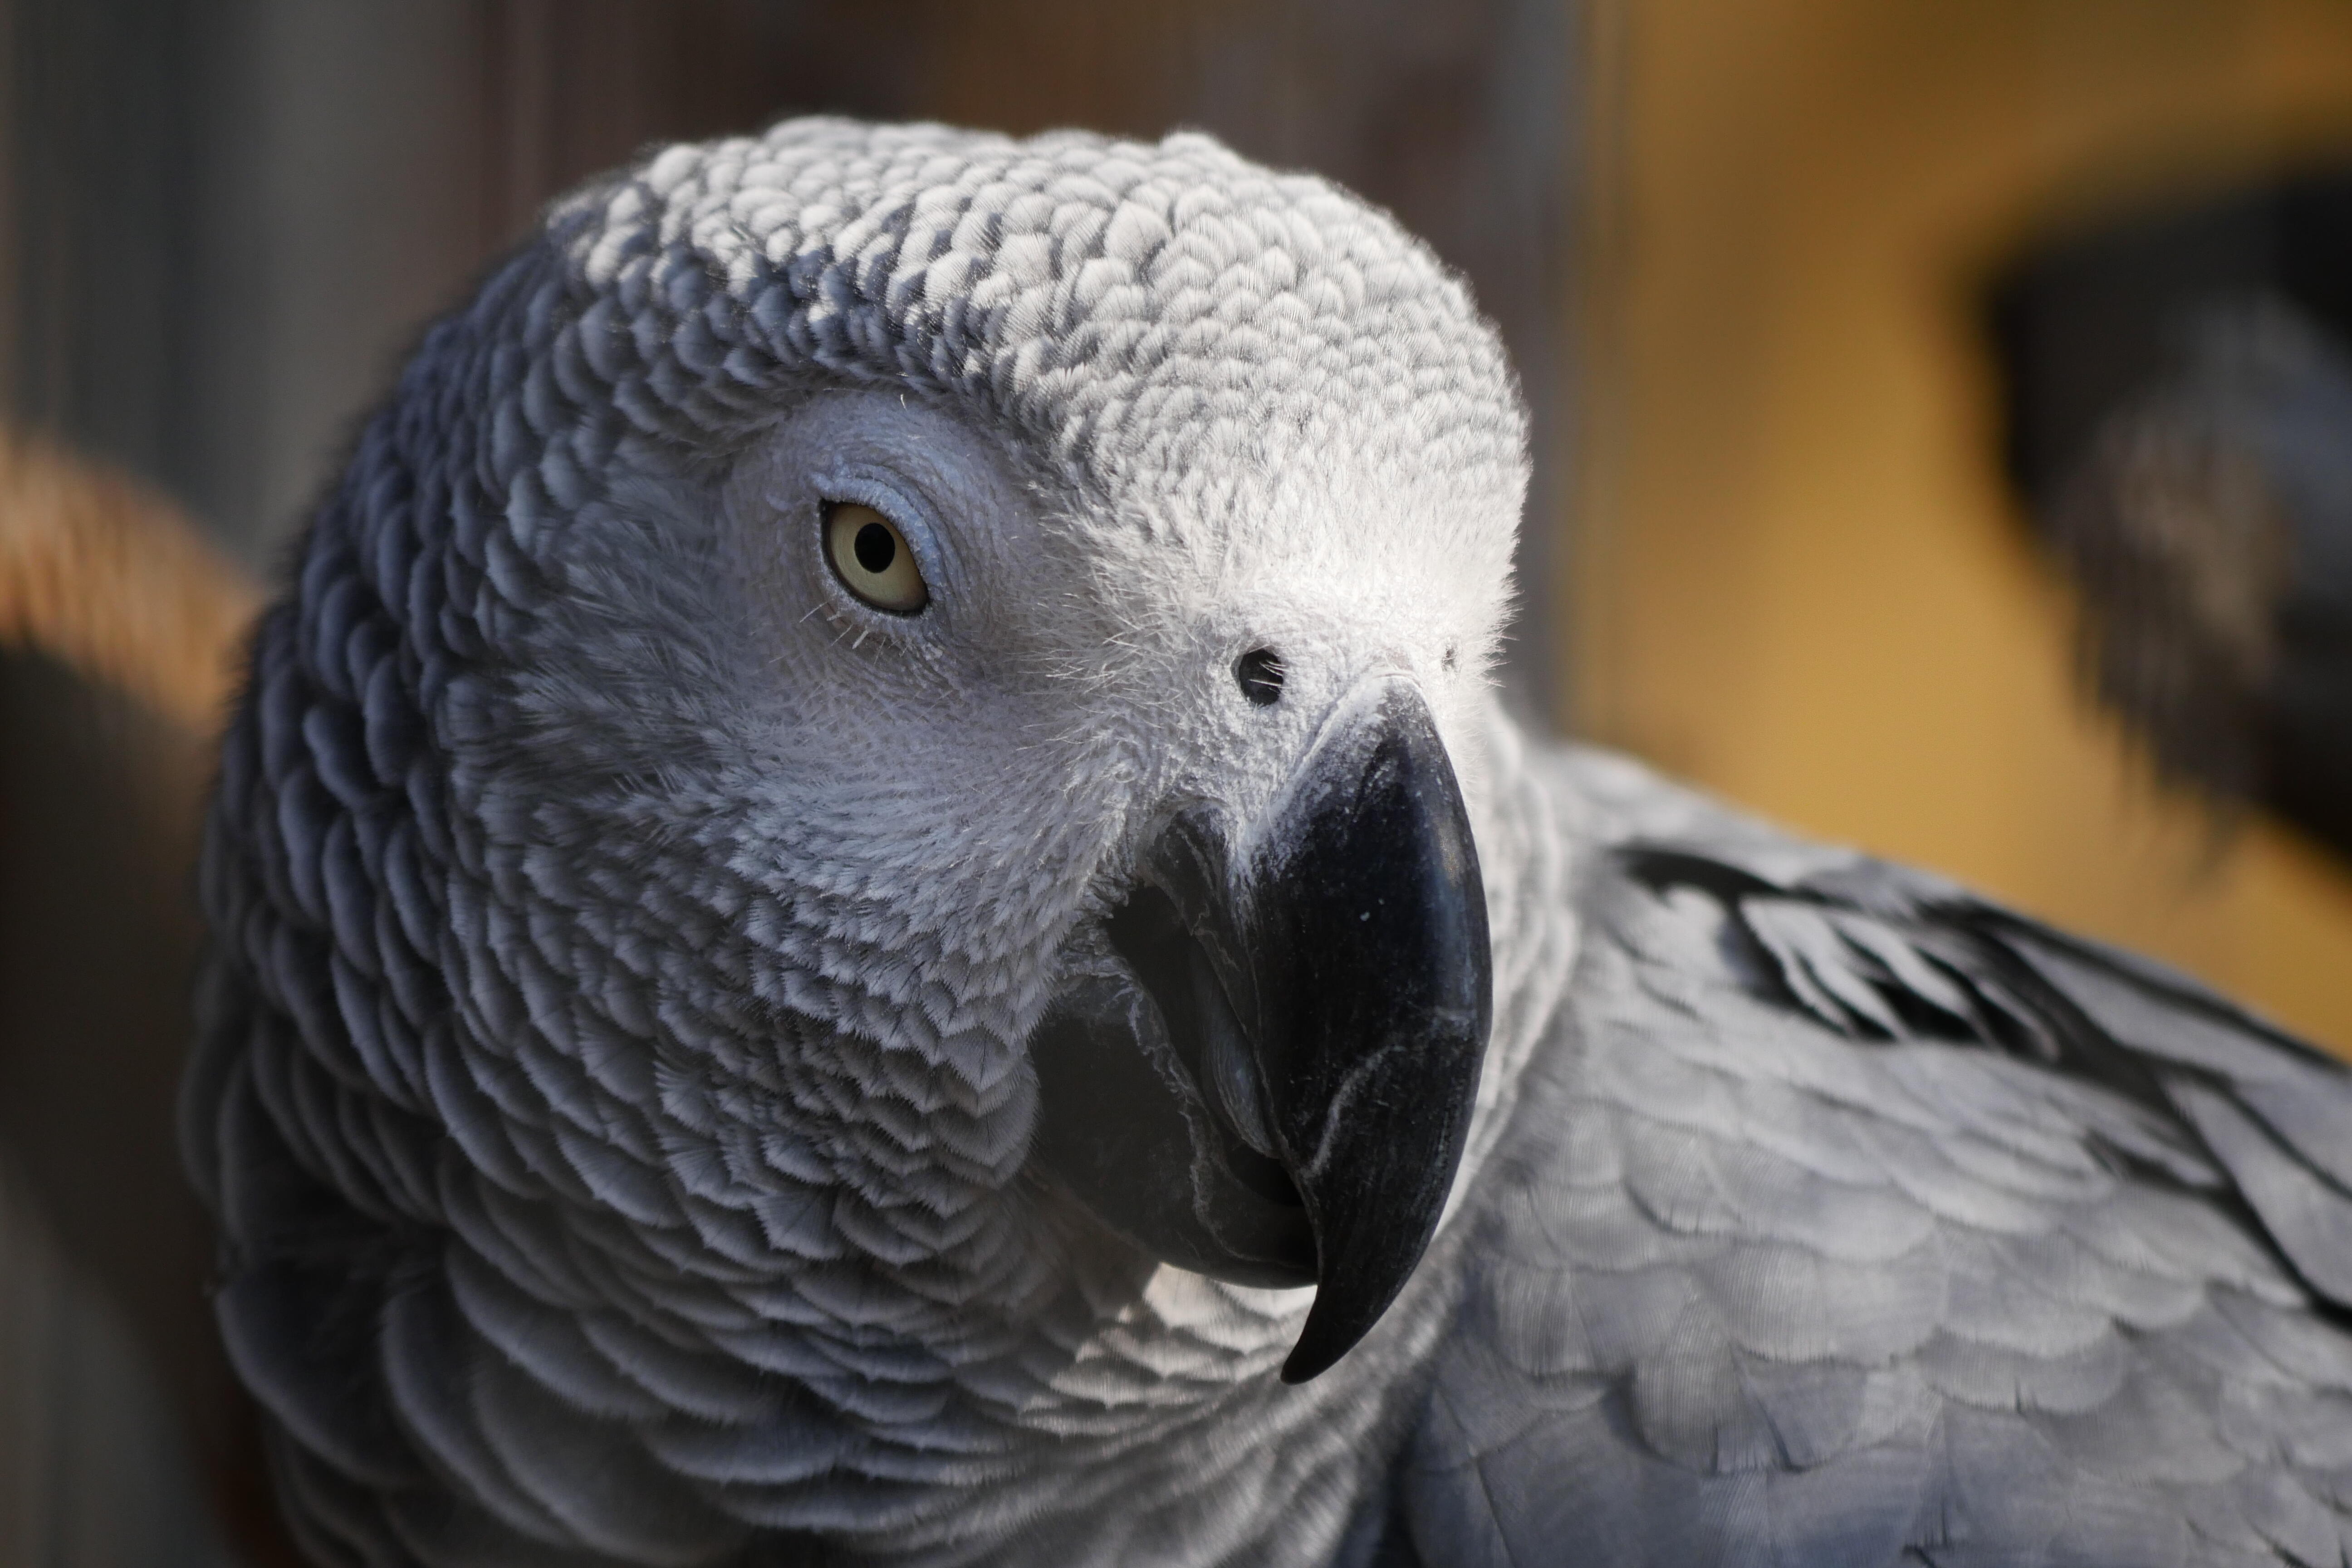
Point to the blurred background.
(1863, 340)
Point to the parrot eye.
(871, 558)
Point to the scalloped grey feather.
(613, 1080)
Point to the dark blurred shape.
(2178, 398)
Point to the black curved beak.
(1270, 1077)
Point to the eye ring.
(871, 558)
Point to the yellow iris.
(871, 558)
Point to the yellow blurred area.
(1799, 578)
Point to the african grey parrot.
(870, 905)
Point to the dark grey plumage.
(613, 1083)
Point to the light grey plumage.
(615, 1080)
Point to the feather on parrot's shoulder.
(1849, 1217)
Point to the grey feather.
(613, 1083)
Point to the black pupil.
(1259, 672)
(873, 548)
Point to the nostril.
(1259, 674)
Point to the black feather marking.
(2034, 994)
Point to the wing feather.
(1856, 1220)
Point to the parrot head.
(968, 657)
